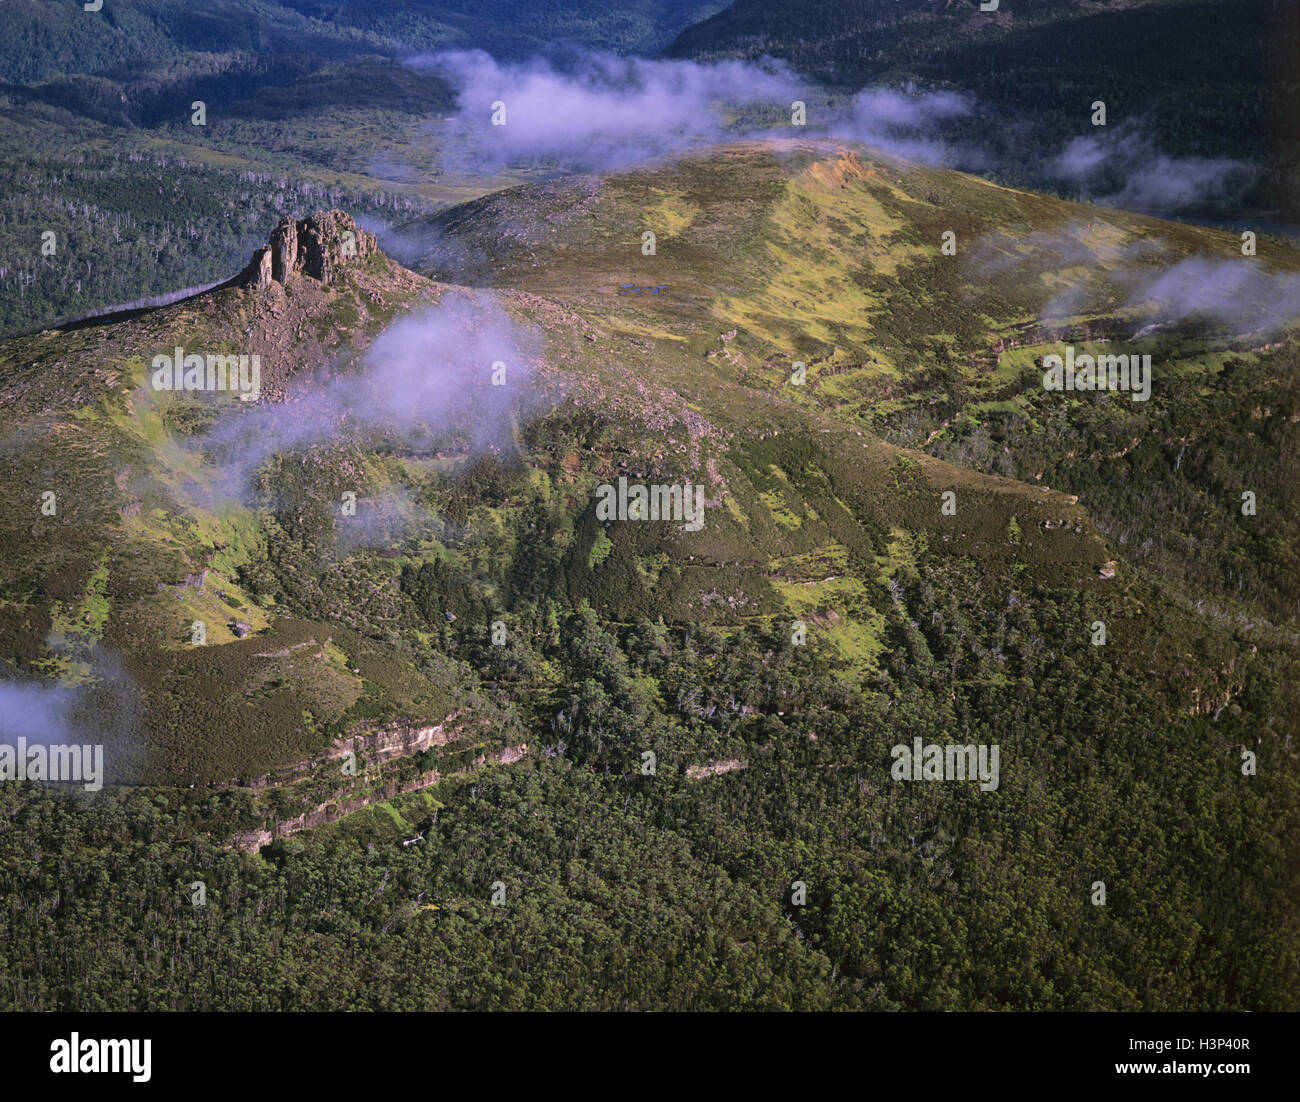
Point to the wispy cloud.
(595, 112)
(600, 112)
(1242, 295)
(459, 374)
(1124, 167)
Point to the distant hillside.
(860, 38)
(1209, 78)
(44, 40)
(512, 28)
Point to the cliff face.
(384, 744)
(317, 293)
(316, 247)
(331, 810)
(386, 767)
(374, 746)
(334, 809)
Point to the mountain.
(295, 323)
(1203, 78)
(775, 253)
(648, 731)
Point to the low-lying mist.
(596, 112)
(456, 374)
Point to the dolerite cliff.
(317, 247)
(318, 293)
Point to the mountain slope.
(773, 254)
(48, 40)
(132, 533)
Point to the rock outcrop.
(316, 247)
(344, 804)
(377, 745)
(317, 294)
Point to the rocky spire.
(316, 247)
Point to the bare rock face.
(261, 268)
(319, 289)
(317, 247)
(284, 250)
(330, 240)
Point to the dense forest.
(126, 227)
(627, 891)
